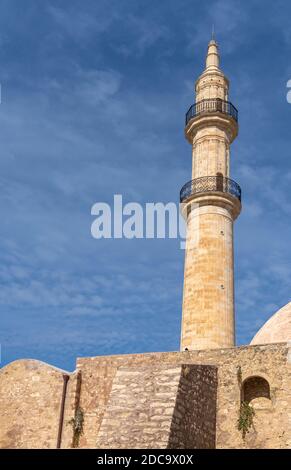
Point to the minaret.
(211, 203)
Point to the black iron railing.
(207, 184)
(211, 106)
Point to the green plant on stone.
(77, 424)
(245, 419)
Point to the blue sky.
(94, 95)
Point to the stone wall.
(30, 402)
(194, 418)
(31, 392)
(272, 425)
(159, 407)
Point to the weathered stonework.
(185, 399)
(30, 397)
(160, 407)
(268, 361)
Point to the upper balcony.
(213, 105)
(207, 184)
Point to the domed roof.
(277, 329)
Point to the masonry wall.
(160, 407)
(30, 397)
(140, 408)
(194, 418)
(272, 424)
(30, 402)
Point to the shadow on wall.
(194, 418)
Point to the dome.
(277, 329)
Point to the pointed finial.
(213, 33)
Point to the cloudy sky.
(94, 95)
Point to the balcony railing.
(211, 106)
(207, 184)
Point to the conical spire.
(212, 59)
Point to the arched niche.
(255, 390)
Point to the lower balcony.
(207, 184)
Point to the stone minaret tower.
(211, 203)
